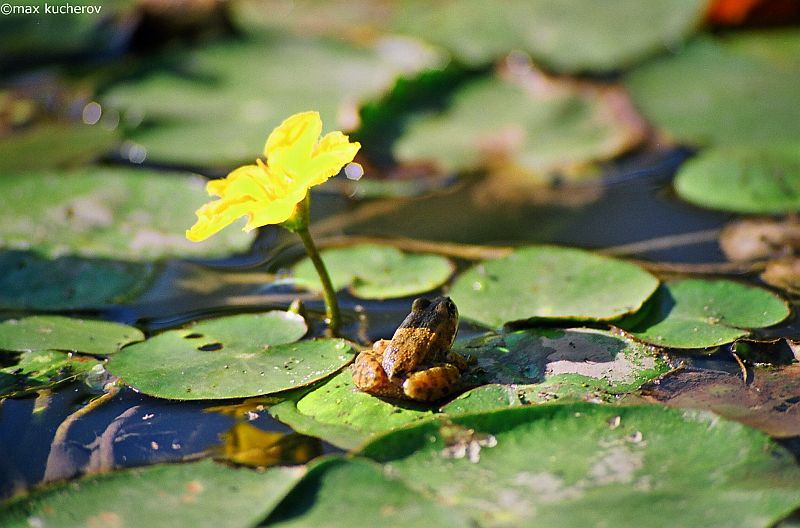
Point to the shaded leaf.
(108, 212)
(66, 334)
(743, 179)
(546, 282)
(528, 125)
(700, 96)
(29, 281)
(563, 465)
(43, 369)
(191, 495)
(230, 357)
(372, 271)
(357, 492)
(696, 313)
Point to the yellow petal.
(296, 137)
(333, 152)
(214, 216)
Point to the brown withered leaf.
(783, 273)
(760, 238)
(770, 402)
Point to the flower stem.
(328, 293)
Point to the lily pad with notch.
(551, 283)
(372, 271)
(563, 465)
(199, 494)
(697, 313)
(53, 332)
(231, 357)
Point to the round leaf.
(561, 128)
(356, 492)
(695, 313)
(202, 494)
(544, 282)
(108, 212)
(231, 357)
(744, 179)
(29, 281)
(740, 89)
(64, 333)
(214, 106)
(373, 271)
(540, 365)
(342, 415)
(569, 465)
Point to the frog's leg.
(461, 362)
(369, 376)
(432, 384)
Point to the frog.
(416, 363)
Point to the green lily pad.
(214, 106)
(43, 369)
(50, 146)
(743, 179)
(357, 492)
(66, 334)
(696, 313)
(505, 124)
(32, 282)
(342, 415)
(540, 365)
(565, 37)
(373, 271)
(545, 282)
(109, 212)
(739, 89)
(192, 495)
(230, 357)
(568, 465)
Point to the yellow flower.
(267, 193)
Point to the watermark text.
(49, 9)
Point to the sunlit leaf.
(373, 271)
(565, 465)
(66, 334)
(696, 313)
(546, 282)
(177, 495)
(230, 357)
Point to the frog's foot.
(432, 384)
(460, 361)
(369, 376)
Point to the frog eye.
(420, 304)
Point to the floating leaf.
(356, 492)
(230, 357)
(532, 125)
(563, 465)
(769, 401)
(695, 313)
(43, 369)
(50, 146)
(564, 37)
(215, 105)
(177, 495)
(545, 282)
(740, 89)
(743, 179)
(31, 282)
(752, 239)
(247, 445)
(66, 334)
(540, 365)
(108, 212)
(373, 271)
(342, 415)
